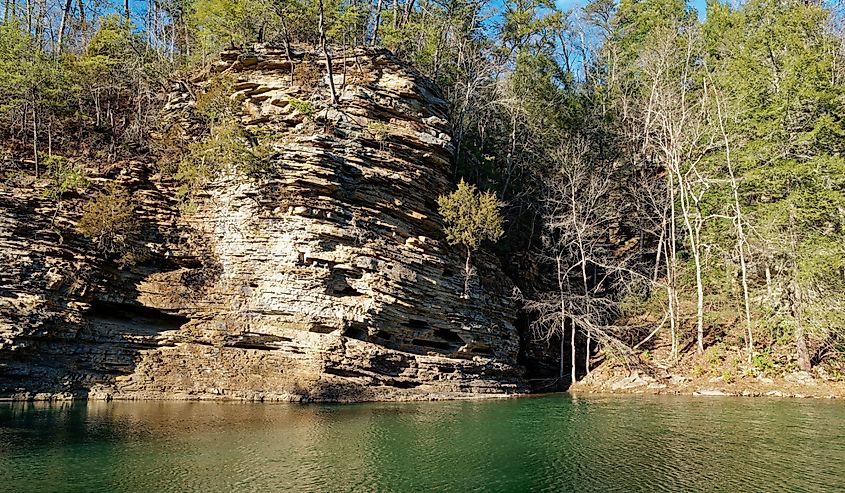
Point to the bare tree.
(673, 133)
(577, 228)
(739, 224)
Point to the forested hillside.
(672, 185)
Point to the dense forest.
(672, 184)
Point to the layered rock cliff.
(326, 280)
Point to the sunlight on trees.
(471, 217)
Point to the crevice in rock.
(433, 344)
(381, 334)
(321, 328)
(356, 331)
(138, 316)
(448, 335)
(267, 342)
(401, 384)
(346, 373)
(414, 323)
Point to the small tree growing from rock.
(471, 217)
(109, 221)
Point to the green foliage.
(303, 107)
(470, 216)
(63, 175)
(215, 104)
(110, 222)
(641, 23)
(222, 150)
(762, 362)
(226, 148)
(29, 77)
(785, 121)
(379, 130)
(219, 23)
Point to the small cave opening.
(414, 323)
(339, 286)
(356, 331)
(381, 334)
(142, 318)
(402, 384)
(448, 335)
(346, 291)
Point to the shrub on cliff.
(63, 177)
(215, 105)
(471, 217)
(226, 147)
(109, 221)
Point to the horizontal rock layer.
(327, 279)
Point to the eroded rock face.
(327, 279)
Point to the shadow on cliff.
(83, 325)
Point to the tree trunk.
(126, 11)
(562, 343)
(82, 20)
(560, 284)
(28, 16)
(587, 356)
(572, 346)
(467, 273)
(803, 356)
(695, 251)
(796, 299)
(670, 297)
(62, 26)
(35, 139)
(671, 263)
(376, 24)
(322, 27)
(409, 6)
(740, 234)
(699, 301)
(769, 291)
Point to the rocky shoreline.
(790, 385)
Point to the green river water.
(553, 443)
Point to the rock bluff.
(328, 281)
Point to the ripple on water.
(555, 443)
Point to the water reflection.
(553, 443)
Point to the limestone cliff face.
(328, 280)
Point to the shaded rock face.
(326, 280)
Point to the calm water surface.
(556, 443)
